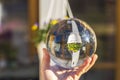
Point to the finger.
(62, 72)
(50, 75)
(85, 65)
(45, 63)
(94, 58)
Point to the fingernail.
(88, 59)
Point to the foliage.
(40, 34)
(74, 46)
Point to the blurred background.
(18, 55)
(18, 60)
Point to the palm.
(58, 73)
(62, 74)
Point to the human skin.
(48, 72)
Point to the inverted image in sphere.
(70, 41)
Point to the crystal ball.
(70, 41)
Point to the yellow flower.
(34, 27)
(53, 22)
(66, 17)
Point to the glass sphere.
(70, 41)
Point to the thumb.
(45, 63)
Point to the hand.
(48, 72)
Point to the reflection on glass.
(70, 41)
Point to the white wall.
(57, 10)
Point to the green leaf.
(74, 47)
